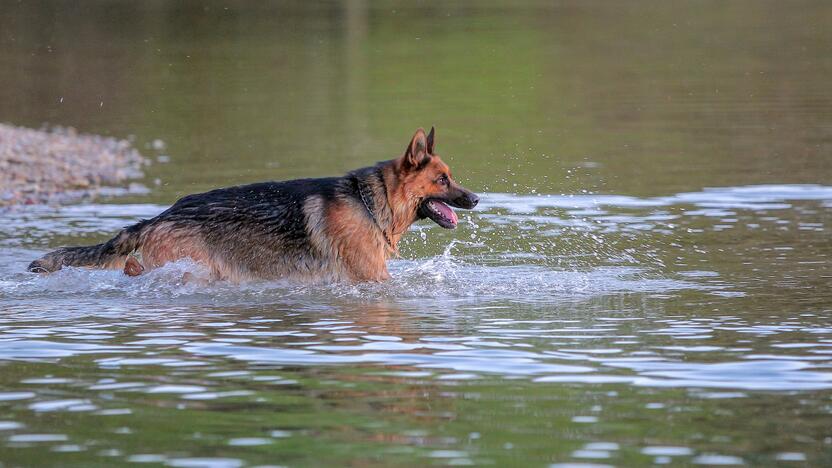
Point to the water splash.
(527, 248)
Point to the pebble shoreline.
(61, 165)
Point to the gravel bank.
(60, 165)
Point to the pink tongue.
(446, 210)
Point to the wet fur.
(308, 229)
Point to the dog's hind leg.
(169, 242)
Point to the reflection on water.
(646, 280)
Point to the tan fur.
(360, 246)
(163, 243)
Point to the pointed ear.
(430, 141)
(417, 151)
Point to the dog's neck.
(403, 207)
(377, 186)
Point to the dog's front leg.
(364, 265)
(378, 278)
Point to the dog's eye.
(443, 179)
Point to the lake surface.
(647, 279)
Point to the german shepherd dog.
(328, 229)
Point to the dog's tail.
(110, 254)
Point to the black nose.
(465, 200)
(468, 200)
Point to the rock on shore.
(58, 165)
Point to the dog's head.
(427, 181)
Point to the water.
(646, 279)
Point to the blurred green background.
(643, 98)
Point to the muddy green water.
(647, 279)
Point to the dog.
(327, 229)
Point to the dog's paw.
(132, 267)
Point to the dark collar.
(361, 189)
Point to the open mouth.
(439, 212)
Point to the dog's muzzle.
(439, 209)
